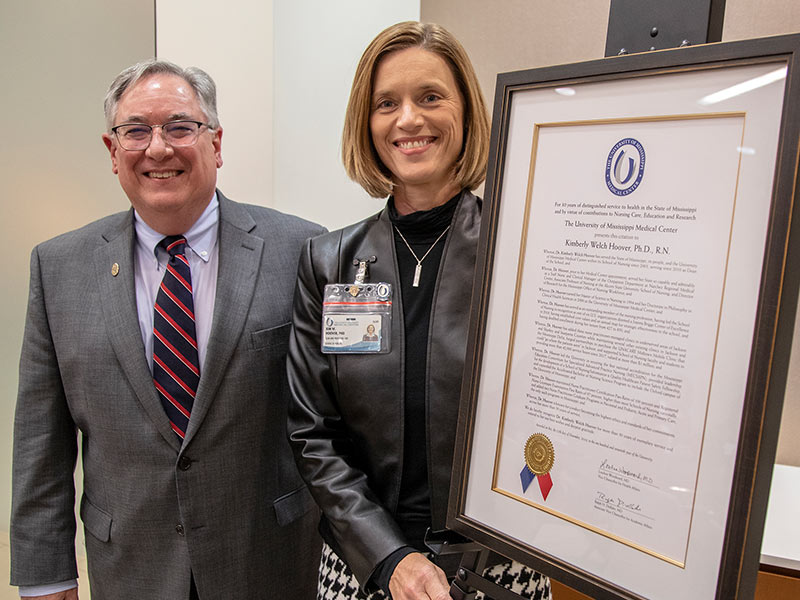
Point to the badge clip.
(362, 275)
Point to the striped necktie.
(176, 368)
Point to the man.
(168, 358)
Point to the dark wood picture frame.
(774, 325)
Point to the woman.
(373, 434)
(370, 336)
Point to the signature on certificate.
(618, 502)
(606, 466)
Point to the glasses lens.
(181, 133)
(134, 137)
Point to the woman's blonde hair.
(361, 160)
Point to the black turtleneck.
(420, 229)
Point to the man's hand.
(417, 578)
(65, 595)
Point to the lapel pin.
(115, 269)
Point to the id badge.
(357, 318)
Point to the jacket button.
(184, 462)
(179, 529)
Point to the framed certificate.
(632, 319)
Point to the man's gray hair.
(200, 81)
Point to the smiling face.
(169, 187)
(417, 126)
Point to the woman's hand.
(417, 578)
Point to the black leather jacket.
(346, 415)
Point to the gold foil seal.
(539, 454)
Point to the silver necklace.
(418, 268)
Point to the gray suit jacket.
(227, 506)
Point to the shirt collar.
(200, 239)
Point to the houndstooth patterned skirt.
(337, 582)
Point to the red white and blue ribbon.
(545, 481)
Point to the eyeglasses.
(137, 136)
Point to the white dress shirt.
(150, 262)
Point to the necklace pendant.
(417, 273)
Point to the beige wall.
(244, 28)
(522, 34)
(757, 18)
(57, 61)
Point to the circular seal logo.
(539, 454)
(625, 167)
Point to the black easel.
(468, 579)
(643, 25)
(633, 26)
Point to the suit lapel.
(122, 322)
(239, 260)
